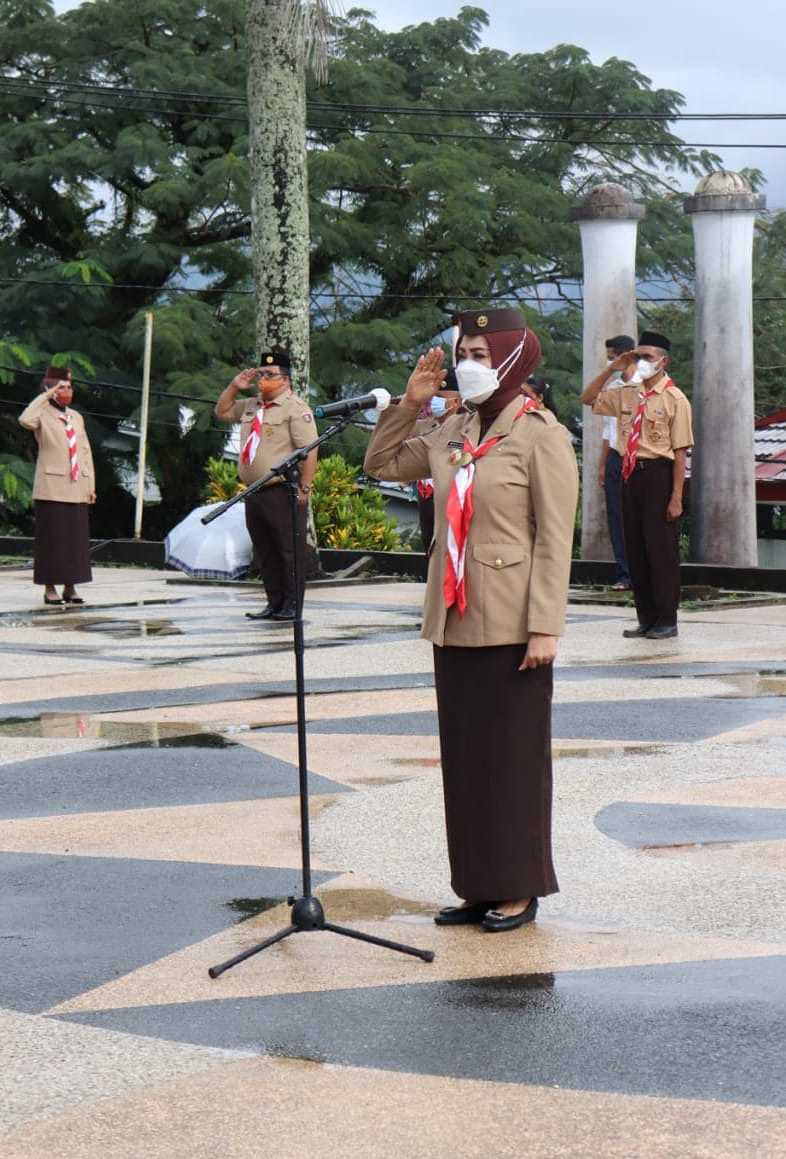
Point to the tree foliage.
(413, 215)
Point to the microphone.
(378, 399)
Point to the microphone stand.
(307, 911)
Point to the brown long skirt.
(62, 543)
(495, 740)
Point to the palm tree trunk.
(279, 184)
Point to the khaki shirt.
(53, 467)
(287, 424)
(666, 427)
(521, 536)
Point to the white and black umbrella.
(220, 550)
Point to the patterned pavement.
(149, 828)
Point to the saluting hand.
(426, 379)
(246, 379)
(540, 650)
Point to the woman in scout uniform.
(505, 488)
(63, 489)
(272, 426)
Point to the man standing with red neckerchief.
(272, 427)
(655, 432)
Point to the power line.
(97, 383)
(124, 91)
(370, 295)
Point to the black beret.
(276, 356)
(489, 321)
(652, 338)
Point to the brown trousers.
(269, 524)
(495, 741)
(652, 543)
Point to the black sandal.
(57, 602)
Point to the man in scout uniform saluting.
(654, 434)
(272, 426)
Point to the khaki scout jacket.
(53, 469)
(666, 426)
(520, 540)
(287, 425)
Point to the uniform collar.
(503, 423)
(279, 400)
(662, 384)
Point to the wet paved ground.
(149, 829)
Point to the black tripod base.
(308, 915)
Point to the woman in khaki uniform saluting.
(63, 489)
(505, 489)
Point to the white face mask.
(646, 369)
(476, 382)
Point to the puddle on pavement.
(604, 753)
(120, 629)
(250, 907)
(347, 905)
(74, 725)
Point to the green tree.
(412, 214)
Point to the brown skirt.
(495, 739)
(62, 543)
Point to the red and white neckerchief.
(634, 437)
(425, 488)
(70, 434)
(251, 445)
(460, 511)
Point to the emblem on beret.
(482, 320)
(269, 359)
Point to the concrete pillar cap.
(607, 202)
(724, 191)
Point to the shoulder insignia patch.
(306, 417)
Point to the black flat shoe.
(53, 603)
(285, 614)
(496, 922)
(633, 633)
(666, 633)
(72, 600)
(266, 614)
(463, 915)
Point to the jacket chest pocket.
(499, 555)
(656, 426)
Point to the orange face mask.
(269, 387)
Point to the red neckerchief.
(634, 437)
(460, 511)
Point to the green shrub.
(348, 515)
(222, 481)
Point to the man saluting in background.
(654, 418)
(272, 426)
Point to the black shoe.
(50, 603)
(72, 600)
(496, 922)
(662, 633)
(463, 915)
(265, 614)
(633, 633)
(287, 613)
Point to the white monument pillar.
(608, 220)
(722, 488)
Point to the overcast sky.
(723, 56)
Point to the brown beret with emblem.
(275, 357)
(489, 321)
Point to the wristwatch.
(305, 488)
